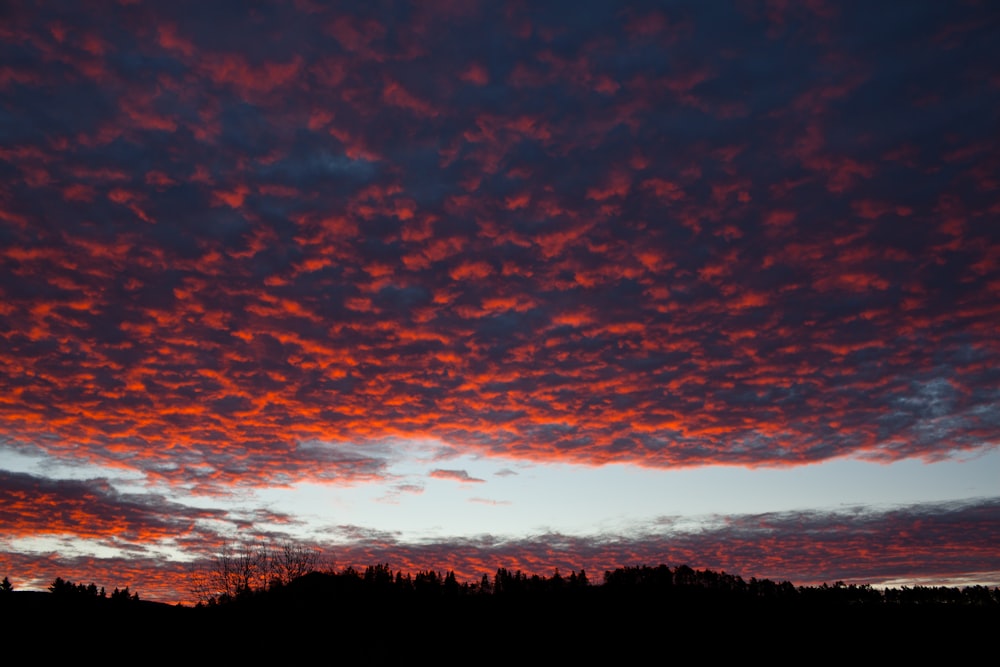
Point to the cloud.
(552, 284)
(487, 501)
(456, 475)
(935, 542)
(695, 236)
(33, 505)
(394, 493)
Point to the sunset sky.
(467, 285)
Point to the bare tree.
(289, 561)
(237, 570)
(248, 567)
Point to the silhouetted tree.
(289, 561)
(507, 582)
(404, 583)
(427, 582)
(61, 587)
(6, 586)
(684, 576)
(379, 576)
(67, 589)
(451, 586)
(247, 568)
(236, 571)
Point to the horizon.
(266, 563)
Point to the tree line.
(261, 571)
(256, 570)
(289, 608)
(63, 589)
(67, 589)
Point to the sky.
(462, 285)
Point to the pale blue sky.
(519, 498)
(581, 499)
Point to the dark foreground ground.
(595, 624)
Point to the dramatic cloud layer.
(31, 505)
(256, 245)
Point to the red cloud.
(589, 243)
